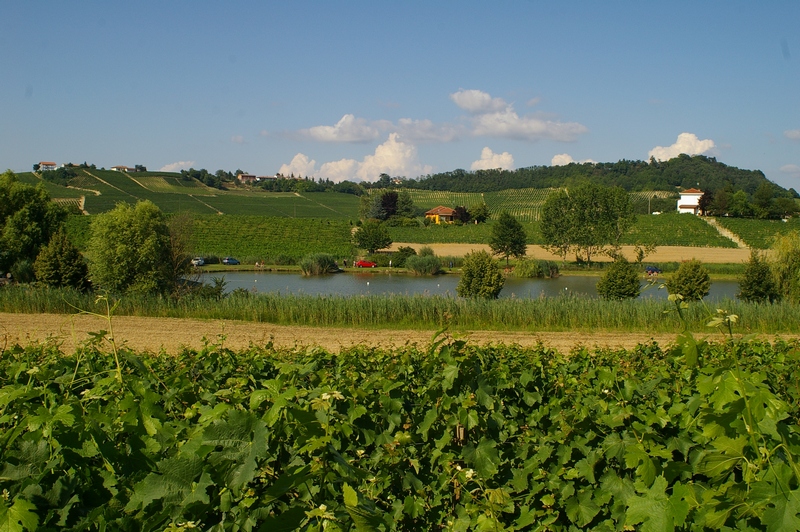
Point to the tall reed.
(563, 313)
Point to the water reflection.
(364, 283)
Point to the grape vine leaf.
(20, 516)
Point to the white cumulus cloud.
(237, 139)
(477, 102)
(301, 166)
(490, 160)
(348, 129)
(494, 117)
(393, 157)
(793, 134)
(563, 159)
(177, 167)
(792, 170)
(687, 143)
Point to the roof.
(47, 163)
(441, 210)
(692, 191)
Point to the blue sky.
(348, 90)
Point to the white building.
(690, 201)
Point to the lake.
(365, 283)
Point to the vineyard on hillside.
(524, 204)
(759, 234)
(262, 238)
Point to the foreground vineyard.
(455, 437)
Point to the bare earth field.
(662, 254)
(172, 334)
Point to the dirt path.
(662, 254)
(171, 334)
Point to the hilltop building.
(690, 201)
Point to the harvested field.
(172, 334)
(662, 254)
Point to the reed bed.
(565, 313)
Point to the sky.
(350, 90)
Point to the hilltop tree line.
(682, 172)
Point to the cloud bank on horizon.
(487, 117)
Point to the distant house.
(690, 201)
(246, 178)
(47, 165)
(440, 214)
(123, 169)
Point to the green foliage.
(757, 283)
(451, 437)
(619, 281)
(759, 234)
(60, 263)
(28, 219)
(130, 250)
(424, 264)
(318, 264)
(270, 239)
(480, 277)
(508, 237)
(535, 268)
(786, 266)
(586, 220)
(372, 236)
(690, 281)
(401, 255)
(479, 212)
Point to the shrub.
(403, 252)
(757, 284)
(318, 264)
(529, 269)
(620, 281)
(425, 251)
(480, 277)
(424, 264)
(61, 264)
(691, 281)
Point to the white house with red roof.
(690, 201)
(47, 165)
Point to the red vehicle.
(365, 264)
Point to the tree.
(691, 281)
(479, 212)
(61, 264)
(757, 283)
(508, 237)
(620, 281)
(461, 214)
(480, 277)
(130, 250)
(786, 265)
(372, 236)
(586, 220)
(28, 220)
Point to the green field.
(103, 189)
(759, 234)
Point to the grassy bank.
(417, 311)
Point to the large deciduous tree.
(372, 236)
(508, 237)
(130, 250)
(586, 220)
(28, 219)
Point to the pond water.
(365, 283)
